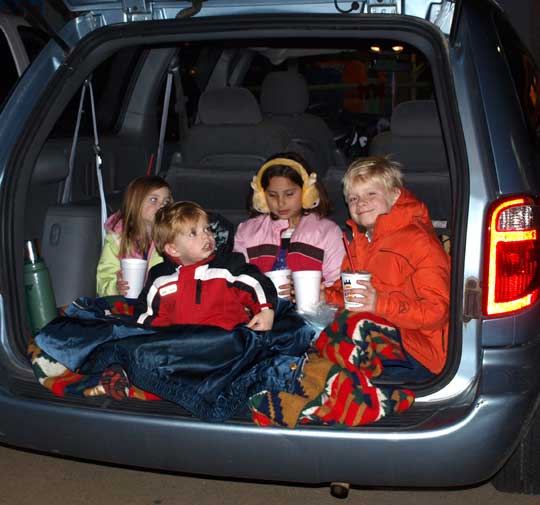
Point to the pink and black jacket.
(316, 244)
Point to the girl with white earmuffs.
(290, 225)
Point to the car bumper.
(451, 447)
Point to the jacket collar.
(283, 224)
(407, 210)
(176, 261)
(114, 223)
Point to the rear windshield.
(33, 40)
(525, 75)
(9, 70)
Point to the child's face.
(368, 200)
(193, 244)
(153, 201)
(284, 199)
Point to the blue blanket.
(207, 370)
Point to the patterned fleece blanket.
(62, 381)
(335, 386)
(332, 385)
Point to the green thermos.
(40, 300)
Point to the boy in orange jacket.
(394, 240)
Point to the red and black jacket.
(222, 290)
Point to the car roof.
(439, 13)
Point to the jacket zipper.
(198, 292)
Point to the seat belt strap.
(67, 193)
(163, 126)
(180, 101)
(99, 161)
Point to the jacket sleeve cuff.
(381, 308)
(334, 294)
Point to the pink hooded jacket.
(316, 244)
(109, 262)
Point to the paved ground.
(28, 479)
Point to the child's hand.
(285, 290)
(367, 297)
(322, 293)
(122, 286)
(262, 321)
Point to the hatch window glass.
(110, 82)
(9, 74)
(525, 75)
(33, 40)
(369, 80)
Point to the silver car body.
(478, 414)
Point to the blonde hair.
(380, 168)
(135, 235)
(172, 220)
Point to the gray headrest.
(51, 166)
(284, 93)
(230, 106)
(418, 118)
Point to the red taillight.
(513, 257)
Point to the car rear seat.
(46, 185)
(71, 246)
(221, 154)
(70, 234)
(415, 140)
(284, 101)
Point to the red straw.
(150, 164)
(347, 248)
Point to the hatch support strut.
(37, 21)
(354, 7)
(188, 12)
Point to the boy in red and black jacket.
(196, 285)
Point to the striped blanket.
(335, 386)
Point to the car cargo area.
(228, 104)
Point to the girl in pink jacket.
(290, 229)
(129, 232)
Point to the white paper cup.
(307, 289)
(279, 278)
(134, 272)
(348, 281)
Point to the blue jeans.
(415, 372)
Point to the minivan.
(445, 87)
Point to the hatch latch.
(472, 306)
(134, 8)
(384, 6)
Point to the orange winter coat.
(411, 273)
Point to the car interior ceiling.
(240, 103)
